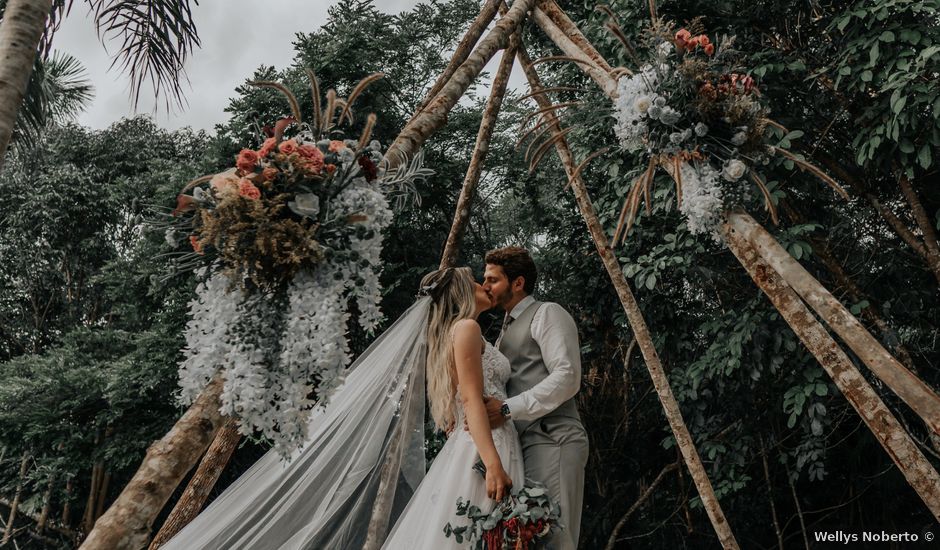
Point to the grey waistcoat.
(528, 367)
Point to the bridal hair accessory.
(436, 289)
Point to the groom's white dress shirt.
(555, 332)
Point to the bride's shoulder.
(466, 328)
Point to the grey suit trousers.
(555, 450)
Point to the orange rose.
(248, 190)
(330, 168)
(266, 147)
(336, 146)
(683, 35)
(709, 49)
(247, 160)
(287, 147)
(703, 40)
(269, 173)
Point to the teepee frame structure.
(793, 291)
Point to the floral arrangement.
(517, 522)
(693, 110)
(282, 243)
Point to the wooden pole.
(127, 523)
(918, 395)
(919, 473)
(203, 480)
(434, 116)
(636, 320)
(464, 47)
(480, 150)
(17, 498)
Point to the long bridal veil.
(371, 434)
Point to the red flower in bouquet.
(248, 190)
(197, 246)
(368, 168)
(247, 160)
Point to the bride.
(329, 494)
(461, 368)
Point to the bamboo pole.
(918, 395)
(203, 480)
(637, 323)
(416, 132)
(857, 391)
(480, 150)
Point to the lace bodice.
(495, 374)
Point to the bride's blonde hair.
(452, 299)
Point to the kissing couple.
(510, 404)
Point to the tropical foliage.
(90, 324)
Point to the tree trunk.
(638, 324)
(414, 134)
(67, 505)
(199, 487)
(102, 493)
(480, 150)
(127, 523)
(20, 32)
(46, 507)
(898, 444)
(88, 518)
(612, 540)
(918, 395)
(8, 532)
(932, 248)
(464, 48)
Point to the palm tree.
(156, 38)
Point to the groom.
(541, 341)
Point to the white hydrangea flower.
(630, 107)
(702, 203)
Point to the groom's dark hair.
(516, 262)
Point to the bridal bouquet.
(283, 242)
(517, 522)
(693, 110)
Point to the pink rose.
(247, 160)
(266, 147)
(313, 157)
(248, 190)
(288, 146)
(709, 49)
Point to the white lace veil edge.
(326, 496)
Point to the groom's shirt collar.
(521, 307)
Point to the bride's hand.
(498, 482)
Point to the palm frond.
(156, 37)
(402, 179)
(58, 91)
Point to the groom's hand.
(493, 407)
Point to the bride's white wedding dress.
(421, 525)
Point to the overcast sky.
(237, 36)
